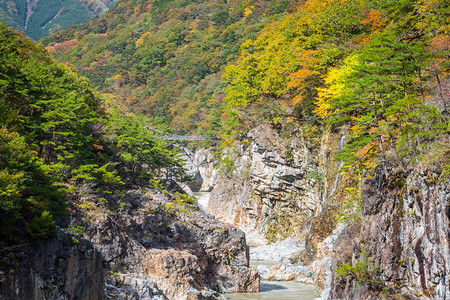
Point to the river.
(269, 290)
(280, 290)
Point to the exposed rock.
(287, 251)
(51, 269)
(271, 194)
(372, 191)
(323, 265)
(233, 202)
(406, 237)
(200, 169)
(287, 272)
(180, 255)
(132, 286)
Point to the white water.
(203, 199)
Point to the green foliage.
(386, 103)
(165, 59)
(364, 273)
(49, 16)
(42, 227)
(179, 204)
(25, 188)
(138, 152)
(55, 133)
(75, 231)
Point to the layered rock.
(57, 268)
(403, 239)
(183, 252)
(273, 192)
(201, 171)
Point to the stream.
(280, 290)
(269, 290)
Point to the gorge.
(311, 161)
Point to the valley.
(179, 150)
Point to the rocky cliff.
(52, 269)
(400, 248)
(277, 188)
(138, 245)
(155, 239)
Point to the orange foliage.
(63, 47)
(299, 80)
(374, 20)
(441, 43)
(366, 149)
(97, 147)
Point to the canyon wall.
(275, 188)
(401, 244)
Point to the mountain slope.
(39, 18)
(165, 58)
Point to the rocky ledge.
(155, 246)
(400, 247)
(139, 245)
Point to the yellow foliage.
(140, 41)
(337, 87)
(357, 128)
(366, 149)
(248, 10)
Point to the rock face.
(287, 251)
(166, 250)
(139, 245)
(405, 234)
(273, 193)
(52, 269)
(287, 272)
(201, 171)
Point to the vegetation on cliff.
(375, 67)
(57, 134)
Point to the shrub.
(42, 227)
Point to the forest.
(40, 18)
(222, 67)
(355, 92)
(58, 134)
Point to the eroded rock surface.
(51, 269)
(405, 236)
(184, 254)
(272, 194)
(287, 251)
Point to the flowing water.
(203, 199)
(269, 290)
(279, 290)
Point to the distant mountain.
(39, 18)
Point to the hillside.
(39, 18)
(165, 59)
(332, 124)
(57, 135)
